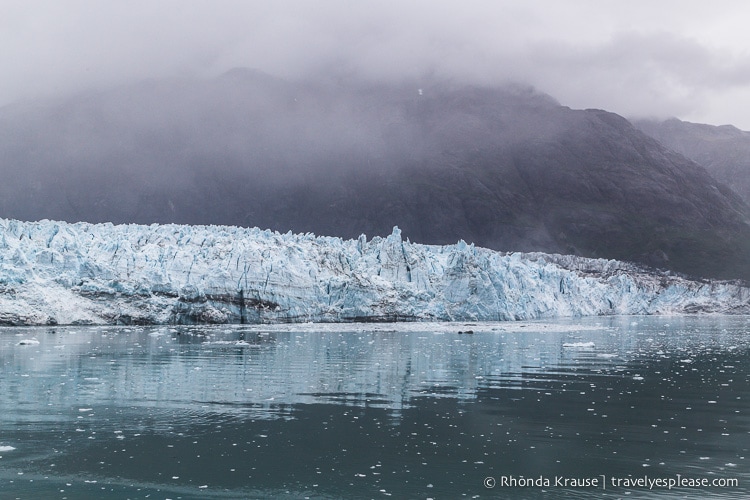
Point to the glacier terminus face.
(63, 273)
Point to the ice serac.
(60, 273)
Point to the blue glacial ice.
(62, 273)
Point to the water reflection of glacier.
(263, 372)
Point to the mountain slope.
(724, 151)
(506, 168)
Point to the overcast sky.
(684, 58)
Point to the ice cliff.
(61, 273)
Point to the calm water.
(351, 412)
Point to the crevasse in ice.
(61, 273)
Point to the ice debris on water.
(61, 273)
(579, 345)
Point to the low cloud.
(672, 58)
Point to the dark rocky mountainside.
(505, 168)
(724, 151)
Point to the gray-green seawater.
(617, 407)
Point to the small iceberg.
(29, 342)
(6, 448)
(579, 345)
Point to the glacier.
(58, 273)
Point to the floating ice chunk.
(29, 342)
(6, 448)
(579, 345)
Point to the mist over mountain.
(506, 168)
(724, 151)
